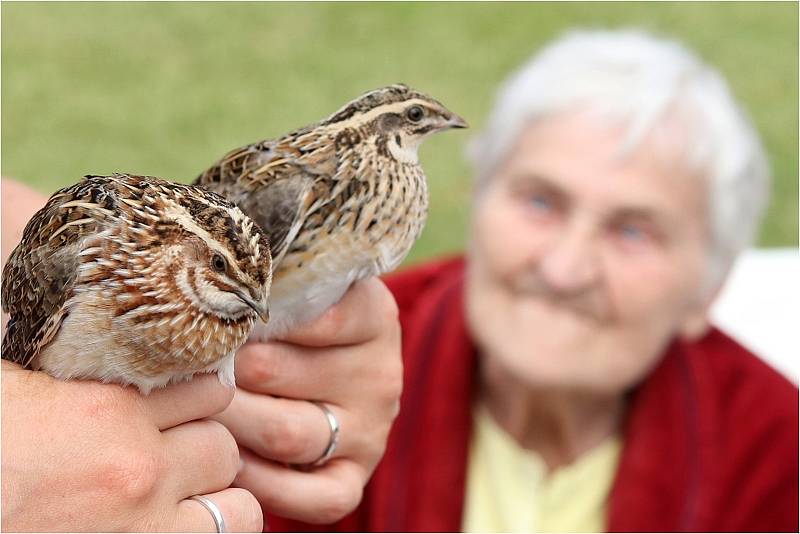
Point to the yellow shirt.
(509, 490)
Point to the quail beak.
(454, 121)
(259, 306)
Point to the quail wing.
(276, 183)
(39, 277)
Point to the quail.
(134, 280)
(340, 200)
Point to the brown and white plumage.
(135, 280)
(342, 199)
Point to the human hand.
(85, 456)
(348, 359)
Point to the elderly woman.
(563, 376)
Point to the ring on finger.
(213, 509)
(333, 441)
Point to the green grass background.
(167, 88)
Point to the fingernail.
(241, 466)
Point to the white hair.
(643, 82)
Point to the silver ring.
(334, 439)
(212, 507)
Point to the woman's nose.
(570, 263)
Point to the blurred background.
(167, 88)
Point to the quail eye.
(218, 263)
(415, 113)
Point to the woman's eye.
(218, 263)
(631, 232)
(542, 205)
(540, 202)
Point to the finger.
(357, 317)
(293, 371)
(203, 457)
(202, 396)
(285, 430)
(240, 511)
(323, 496)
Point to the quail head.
(340, 200)
(134, 280)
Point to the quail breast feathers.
(340, 200)
(134, 280)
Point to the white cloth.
(759, 306)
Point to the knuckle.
(226, 451)
(342, 500)
(389, 381)
(288, 438)
(131, 475)
(384, 314)
(254, 367)
(391, 339)
(220, 449)
(388, 309)
(249, 516)
(331, 322)
(394, 380)
(216, 394)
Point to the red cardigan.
(710, 437)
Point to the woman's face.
(584, 264)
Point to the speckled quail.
(134, 280)
(340, 200)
